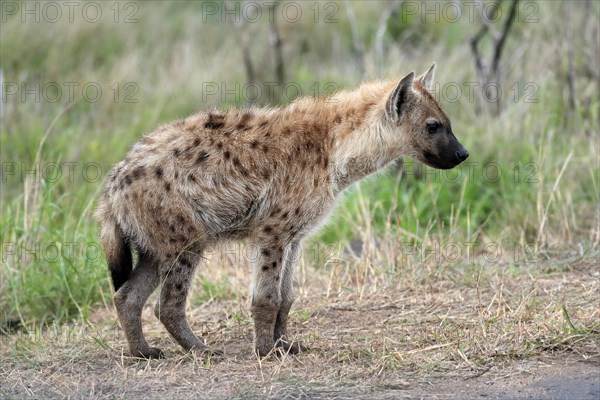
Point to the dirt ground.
(529, 334)
(106, 375)
(564, 378)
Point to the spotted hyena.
(270, 176)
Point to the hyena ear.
(427, 78)
(399, 96)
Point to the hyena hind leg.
(176, 279)
(129, 301)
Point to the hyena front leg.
(176, 278)
(286, 290)
(129, 301)
(266, 299)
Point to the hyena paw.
(148, 353)
(289, 347)
(206, 352)
(263, 349)
(216, 353)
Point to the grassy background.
(545, 198)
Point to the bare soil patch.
(457, 333)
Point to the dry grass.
(370, 334)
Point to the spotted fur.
(270, 176)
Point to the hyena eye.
(433, 127)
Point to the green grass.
(168, 55)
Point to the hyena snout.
(456, 152)
(461, 154)
(450, 153)
(454, 155)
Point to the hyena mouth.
(449, 162)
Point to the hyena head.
(426, 131)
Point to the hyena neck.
(364, 141)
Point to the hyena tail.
(118, 252)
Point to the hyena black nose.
(462, 154)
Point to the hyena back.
(267, 175)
